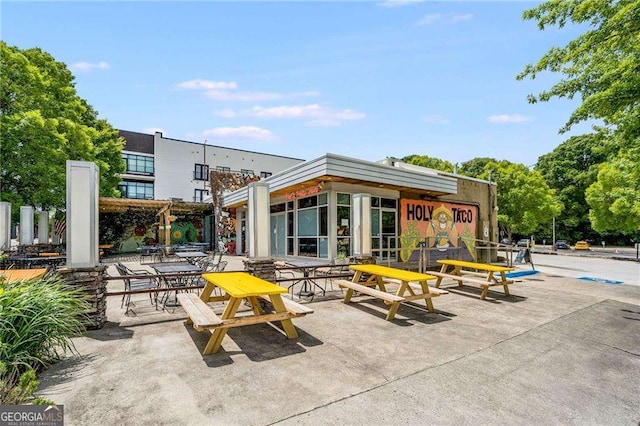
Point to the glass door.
(278, 235)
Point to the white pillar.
(82, 214)
(43, 227)
(239, 216)
(5, 226)
(258, 217)
(361, 224)
(26, 225)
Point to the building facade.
(162, 168)
(334, 206)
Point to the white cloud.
(242, 132)
(88, 67)
(208, 85)
(436, 119)
(398, 3)
(449, 18)
(508, 118)
(223, 95)
(319, 115)
(153, 130)
(225, 113)
(429, 19)
(460, 18)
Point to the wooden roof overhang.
(333, 168)
(121, 205)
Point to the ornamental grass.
(38, 318)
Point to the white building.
(162, 168)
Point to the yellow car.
(581, 245)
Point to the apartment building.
(162, 168)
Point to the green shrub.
(38, 317)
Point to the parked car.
(581, 245)
(562, 245)
(523, 242)
(505, 241)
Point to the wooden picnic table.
(15, 275)
(460, 270)
(381, 275)
(238, 286)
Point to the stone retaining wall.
(91, 282)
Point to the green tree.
(524, 199)
(430, 162)
(570, 169)
(602, 65)
(43, 123)
(475, 167)
(615, 197)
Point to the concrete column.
(361, 210)
(258, 218)
(26, 225)
(43, 227)
(82, 214)
(5, 225)
(239, 216)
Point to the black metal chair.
(131, 284)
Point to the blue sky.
(362, 79)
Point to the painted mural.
(447, 229)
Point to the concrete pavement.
(558, 350)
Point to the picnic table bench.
(462, 270)
(238, 286)
(413, 283)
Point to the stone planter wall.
(91, 282)
(261, 268)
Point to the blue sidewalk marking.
(600, 280)
(520, 273)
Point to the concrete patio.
(557, 350)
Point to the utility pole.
(554, 233)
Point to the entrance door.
(278, 240)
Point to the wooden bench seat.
(200, 314)
(387, 297)
(432, 290)
(484, 285)
(292, 307)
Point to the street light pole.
(554, 233)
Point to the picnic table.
(15, 275)
(238, 286)
(191, 256)
(176, 280)
(413, 283)
(463, 272)
(306, 266)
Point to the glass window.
(139, 164)
(344, 221)
(290, 246)
(246, 172)
(389, 203)
(344, 199)
(277, 208)
(323, 250)
(322, 199)
(201, 172)
(389, 223)
(290, 224)
(308, 247)
(265, 174)
(375, 202)
(324, 223)
(223, 169)
(308, 223)
(138, 190)
(375, 222)
(307, 202)
(199, 195)
(290, 205)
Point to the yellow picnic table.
(461, 269)
(15, 275)
(238, 286)
(380, 276)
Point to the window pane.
(389, 223)
(276, 208)
(375, 222)
(344, 220)
(322, 199)
(324, 224)
(308, 247)
(344, 246)
(308, 223)
(304, 203)
(344, 199)
(375, 202)
(324, 247)
(290, 246)
(290, 224)
(389, 203)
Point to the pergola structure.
(166, 210)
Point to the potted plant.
(341, 258)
